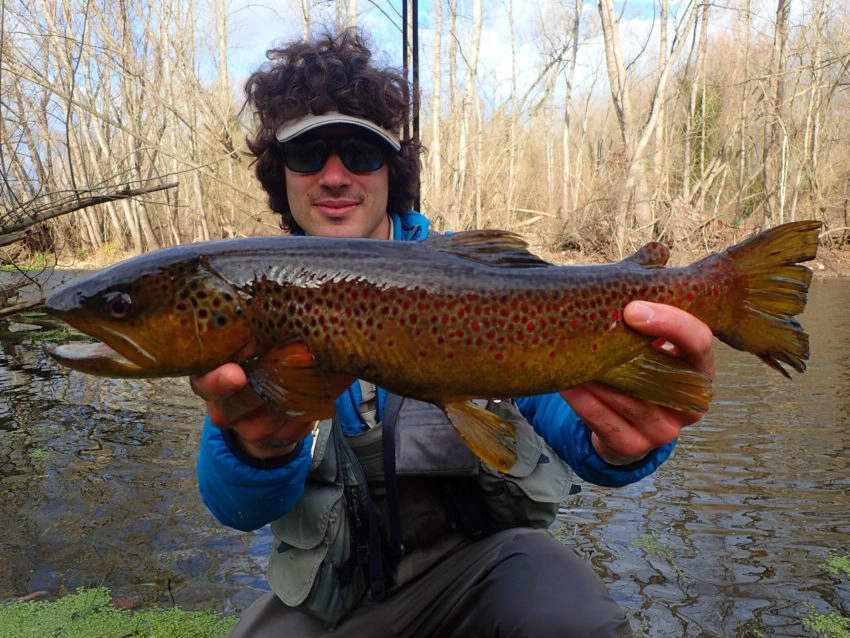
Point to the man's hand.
(260, 431)
(626, 429)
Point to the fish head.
(154, 318)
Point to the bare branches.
(703, 125)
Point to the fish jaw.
(157, 316)
(98, 359)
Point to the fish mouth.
(97, 358)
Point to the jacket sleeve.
(555, 421)
(243, 493)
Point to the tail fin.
(774, 289)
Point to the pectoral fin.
(492, 439)
(661, 378)
(288, 379)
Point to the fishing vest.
(380, 507)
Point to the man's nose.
(334, 171)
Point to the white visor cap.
(293, 129)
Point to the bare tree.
(636, 136)
(114, 99)
(469, 108)
(569, 202)
(774, 132)
(436, 102)
(100, 98)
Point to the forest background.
(591, 127)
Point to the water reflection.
(97, 485)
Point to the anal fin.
(492, 439)
(661, 378)
(288, 379)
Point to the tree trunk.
(436, 103)
(569, 194)
(773, 130)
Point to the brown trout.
(454, 317)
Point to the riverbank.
(830, 261)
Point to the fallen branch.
(23, 218)
(21, 307)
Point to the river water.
(728, 538)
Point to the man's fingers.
(688, 337)
(227, 394)
(219, 383)
(230, 400)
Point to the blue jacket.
(246, 494)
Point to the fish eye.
(118, 304)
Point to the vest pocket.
(303, 539)
(531, 492)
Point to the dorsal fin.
(491, 247)
(652, 254)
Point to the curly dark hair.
(328, 73)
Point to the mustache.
(329, 192)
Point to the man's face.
(336, 201)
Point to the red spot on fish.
(615, 316)
(450, 355)
(574, 324)
(592, 316)
(476, 327)
(690, 296)
(499, 356)
(530, 326)
(595, 347)
(491, 334)
(423, 353)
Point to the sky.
(256, 26)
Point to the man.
(447, 561)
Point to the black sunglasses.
(357, 154)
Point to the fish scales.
(471, 315)
(492, 327)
